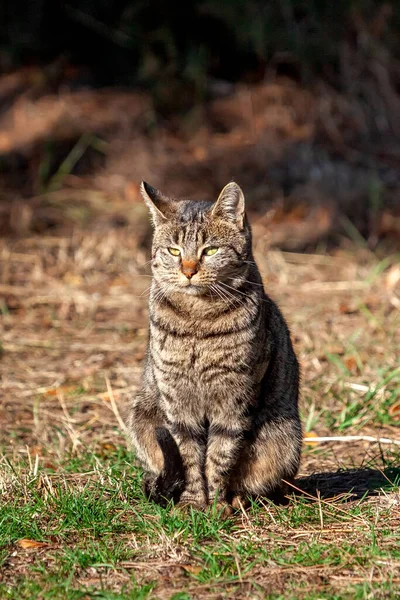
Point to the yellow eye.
(210, 251)
(174, 251)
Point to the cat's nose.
(189, 268)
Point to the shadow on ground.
(358, 483)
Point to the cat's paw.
(148, 485)
(222, 509)
(187, 507)
(187, 502)
(240, 502)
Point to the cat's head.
(198, 246)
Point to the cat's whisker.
(146, 292)
(246, 281)
(161, 293)
(147, 263)
(214, 288)
(223, 295)
(241, 300)
(229, 294)
(251, 297)
(236, 290)
(231, 298)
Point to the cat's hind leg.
(144, 417)
(268, 462)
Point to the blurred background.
(297, 100)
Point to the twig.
(114, 407)
(321, 517)
(245, 515)
(239, 572)
(268, 510)
(351, 438)
(69, 422)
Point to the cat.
(216, 420)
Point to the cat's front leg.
(191, 441)
(224, 443)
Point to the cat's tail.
(169, 484)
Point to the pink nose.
(189, 268)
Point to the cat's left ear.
(230, 204)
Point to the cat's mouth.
(194, 289)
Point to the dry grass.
(73, 333)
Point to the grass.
(99, 534)
(73, 520)
(373, 406)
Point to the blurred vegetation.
(336, 135)
(153, 43)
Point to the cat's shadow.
(353, 484)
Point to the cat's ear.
(230, 204)
(156, 202)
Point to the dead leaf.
(63, 389)
(73, 279)
(106, 396)
(351, 364)
(392, 277)
(119, 281)
(50, 465)
(394, 410)
(192, 569)
(107, 447)
(310, 434)
(348, 308)
(27, 544)
(335, 350)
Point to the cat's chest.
(206, 357)
(204, 361)
(196, 353)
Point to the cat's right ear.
(155, 201)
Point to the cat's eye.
(210, 251)
(174, 251)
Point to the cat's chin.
(194, 290)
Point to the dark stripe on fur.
(192, 334)
(184, 431)
(225, 431)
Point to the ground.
(73, 520)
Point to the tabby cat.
(217, 416)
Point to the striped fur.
(221, 375)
